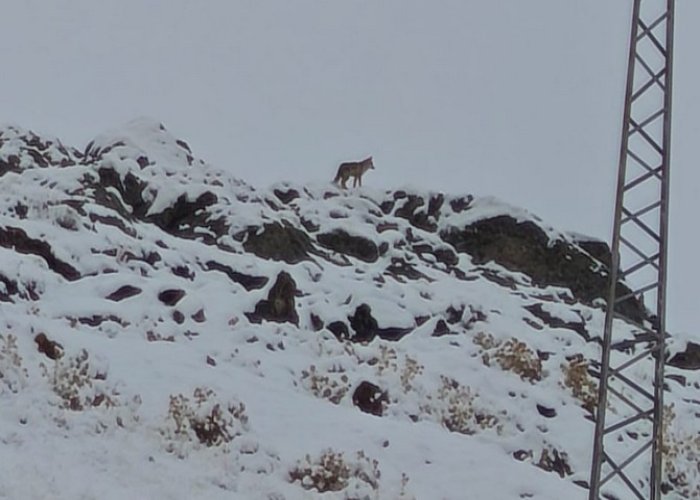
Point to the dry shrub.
(331, 386)
(78, 385)
(511, 355)
(553, 460)
(455, 407)
(13, 376)
(681, 450)
(331, 471)
(386, 361)
(579, 381)
(202, 421)
(550, 460)
(409, 372)
(81, 387)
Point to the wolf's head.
(367, 163)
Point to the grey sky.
(512, 98)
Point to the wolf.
(355, 169)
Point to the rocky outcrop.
(278, 241)
(351, 245)
(524, 247)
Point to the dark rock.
(97, 320)
(11, 288)
(435, 204)
(178, 317)
(279, 305)
(598, 249)
(421, 320)
(183, 145)
(387, 226)
(351, 245)
(16, 239)
(522, 455)
(310, 226)
(130, 190)
(461, 204)
(387, 206)
(199, 316)
(393, 333)
(399, 267)
(446, 256)
(369, 398)
(420, 219)
(286, 196)
(441, 329)
(183, 272)
(316, 322)
(211, 361)
(111, 220)
(339, 329)
(454, 315)
(171, 296)
(123, 292)
(52, 350)
(546, 412)
(185, 213)
(502, 279)
(21, 210)
(475, 316)
(142, 161)
(364, 325)
(554, 461)
(554, 322)
(443, 255)
(688, 359)
(150, 258)
(246, 281)
(279, 242)
(524, 247)
(11, 164)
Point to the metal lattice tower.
(633, 462)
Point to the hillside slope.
(169, 331)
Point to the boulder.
(171, 296)
(123, 292)
(369, 398)
(279, 305)
(364, 325)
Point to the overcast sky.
(521, 100)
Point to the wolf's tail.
(338, 176)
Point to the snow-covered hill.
(170, 332)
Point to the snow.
(141, 356)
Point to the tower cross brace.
(627, 453)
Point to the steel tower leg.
(627, 451)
